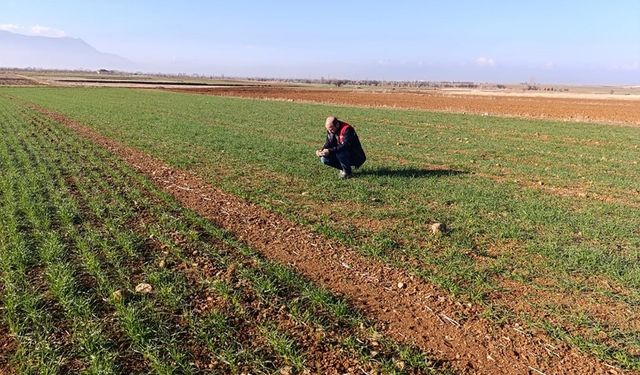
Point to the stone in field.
(144, 288)
(438, 228)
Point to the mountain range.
(25, 51)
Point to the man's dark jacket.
(345, 145)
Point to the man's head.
(332, 124)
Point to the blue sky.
(495, 41)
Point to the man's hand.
(323, 152)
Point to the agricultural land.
(187, 227)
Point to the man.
(342, 150)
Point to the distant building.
(105, 71)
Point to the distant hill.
(24, 51)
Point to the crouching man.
(342, 150)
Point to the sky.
(545, 41)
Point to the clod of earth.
(438, 228)
(144, 288)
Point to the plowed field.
(560, 108)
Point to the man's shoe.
(344, 175)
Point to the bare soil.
(407, 309)
(557, 107)
(15, 80)
(7, 348)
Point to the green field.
(543, 217)
(79, 231)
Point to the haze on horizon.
(572, 42)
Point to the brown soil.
(617, 111)
(409, 310)
(7, 348)
(15, 80)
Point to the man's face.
(331, 128)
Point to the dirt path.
(615, 111)
(408, 310)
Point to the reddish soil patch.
(408, 310)
(7, 348)
(560, 108)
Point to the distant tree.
(340, 82)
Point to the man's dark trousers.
(343, 162)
